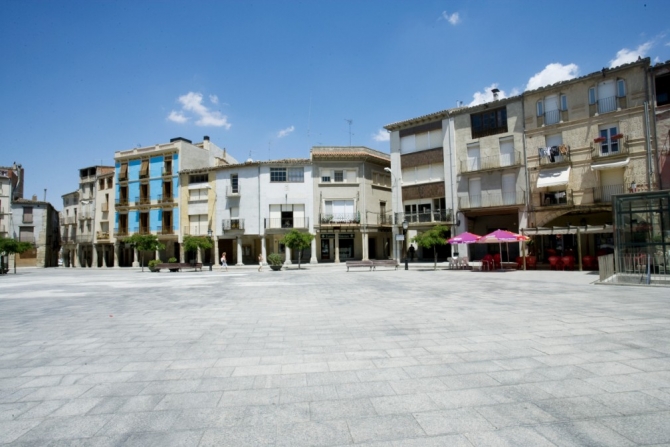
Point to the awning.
(581, 229)
(610, 165)
(554, 177)
(199, 186)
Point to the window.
(295, 175)
(592, 95)
(340, 211)
(197, 178)
(662, 90)
(234, 183)
(339, 176)
(490, 122)
(144, 169)
(620, 88)
(27, 214)
(609, 145)
(325, 177)
(540, 108)
(564, 102)
(277, 174)
(123, 172)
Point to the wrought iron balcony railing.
(492, 162)
(492, 199)
(604, 194)
(142, 200)
(554, 198)
(232, 224)
(102, 235)
(555, 160)
(123, 232)
(609, 147)
(121, 201)
(169, 198)
(429, 216)
(161, 229)
(281, 222)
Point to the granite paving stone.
(402, 359)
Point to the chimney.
(34, 197)
(495, 92)
(205, 142)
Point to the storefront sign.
(342, 236)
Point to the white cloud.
(177, 117)
(625, 55)
(285, 132)
(552, 74)
(214, 99)
(192, 102)
(486, 95)
(381, 135)
(453, 18)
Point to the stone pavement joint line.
(322, 357)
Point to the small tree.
(432, 238)
(193, 243)
(12, 247)
(144, 242)
(295, 240)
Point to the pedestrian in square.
(223, 261)
(260, 263)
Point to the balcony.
(339, 219)
(552, 117)
(554, 198)
(166, 172)
(434, 216)
(233, 191)
(232, 224)
(142, 200)
(102, 235)
(165, 199)
(385, 219)
(104, 207)
(123, 232)
(604, 194)
(494, 162)
(165, 230)
(85, 215)
(287, 223)
(84, 238)
(492, 199)
(195, 231)
(609, 147)
(121, 201)
(555, 160)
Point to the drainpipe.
(525, 168)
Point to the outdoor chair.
(531, 262)
(487, 262)
(555, 263)
(568, 262)
(496, 261)
(589, 263)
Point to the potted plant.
(173, 260)
(599, 140)
(275, 261)
(616, 137)
(152, 265)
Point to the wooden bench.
(177, 266)
(352, 264)
(384, 263)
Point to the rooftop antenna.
(349, 121)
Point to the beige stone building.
(352, 203)
(661, 107)
(68, 229)
(586, 141)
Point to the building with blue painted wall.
(147, 199)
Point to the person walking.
(260, 263)
(223, 261)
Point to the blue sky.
(269, 79)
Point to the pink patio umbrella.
(500, 236)
(464, 238)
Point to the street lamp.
(404, 242)
(209, 235)
(398, 205)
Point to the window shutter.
(540, 108)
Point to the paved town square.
(322, 357)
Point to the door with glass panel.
(609, 146)
(509, 189)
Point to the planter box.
(276, 268)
